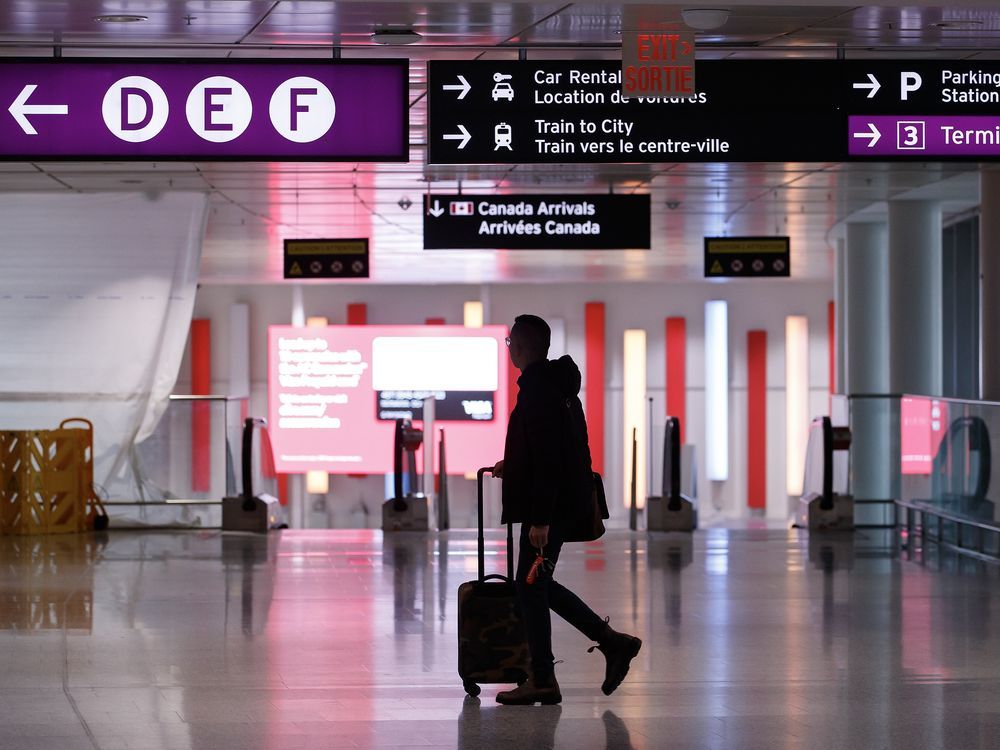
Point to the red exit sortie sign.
(657, 55)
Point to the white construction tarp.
(96, 297)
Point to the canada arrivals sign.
(536, 222)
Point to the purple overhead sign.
(925, 135)
(204, 109)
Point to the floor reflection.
(249, 561)
(47, 582)
(481, 727)
(532, 728)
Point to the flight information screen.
(335, 393)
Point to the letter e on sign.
(219, 109)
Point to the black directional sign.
(567, 111)
(536, 222)
(326, 259)
(947, 109)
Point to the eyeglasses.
(507, 342)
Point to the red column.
(757, 419)
(594, 336)
(201, 411)
(677, 371)
(357, 314)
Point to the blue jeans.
(538, 598)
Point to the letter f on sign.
(296, 107)
(908, 83)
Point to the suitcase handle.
(482, 537)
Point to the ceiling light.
(705, 19)
(396, 36)
(121, 18)
(957, 24)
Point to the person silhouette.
(541, 476)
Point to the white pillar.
(866, 353)
(989, 276)
(915, 298)
(866, 311)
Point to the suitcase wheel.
(472, 689)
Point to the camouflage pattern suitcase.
(491, 644)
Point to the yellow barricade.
(46, 480)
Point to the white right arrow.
(436, 209)
(462, 86)
(464, 136)
(20, 108)
(872, 134)
(872, 87)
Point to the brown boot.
(619, 650)
(531, 693)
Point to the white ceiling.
(254, 206)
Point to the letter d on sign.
(135, 109)
(908, 83)
(144, 104)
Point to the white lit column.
(866, 292)
(989, 275)
(797, 414)
(635, 415)
(717, 390)
(915, 298)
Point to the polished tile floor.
(343, 639)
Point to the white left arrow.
(436, 209)
(872, 134)
(20, 109)
(462, 86)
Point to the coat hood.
(565, 375)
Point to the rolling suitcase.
(491, 643)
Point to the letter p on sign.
(908, 83)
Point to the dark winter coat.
(543, 469)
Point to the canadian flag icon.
(461, 208)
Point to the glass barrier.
(182, 471)
(946, 456)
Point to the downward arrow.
(463, 135)
(872, 134)
(872, 87)
(462, 86)
(20, 108)
(436, 209)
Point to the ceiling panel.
(255, 205)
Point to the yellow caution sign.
(295, 270)
(716, 267)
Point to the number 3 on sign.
(910, 135)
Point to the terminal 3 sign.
(566, 111)
(204, 109)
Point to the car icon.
(503, 90)
(503, 137)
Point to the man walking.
(541, 469)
